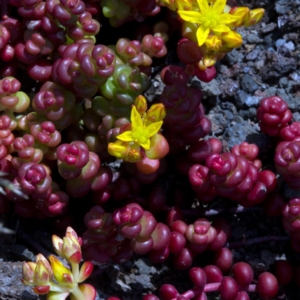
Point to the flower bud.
(119, 149)
(42, 290)
(243, 13)
(46, 264)
(156, 113)
(213, 42)
(208, 60)
(57, 243)
(28, 273)
(71, 251)
(255, 16)
(140, 104)
(41, 274)
(231, 39)
(61, 273)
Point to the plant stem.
(77, 293)
(210, 287)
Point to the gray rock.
(283, 82)
(282, 93)
(268, 27)
(208, 89)
(277, 66)
(259, 64)
(240, 97)
(237, 132)
(296, 116)
(292, 101)
(10, 283)
(254, 54)
(248, 84)
(233, 57)
(279, 43)
(290, 46)
(229, 87)
(253, 38)
(268, 41)
(291, 36)
(144, 266)
(122, 286)
(295, 76)
(283, 7)
(252, 100)
(143, 280)
(271, 91)
(218, 122)
(249, 113)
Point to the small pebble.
(279, 43)
(290, 46)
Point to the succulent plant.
(58, 281)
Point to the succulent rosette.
(287, 162)
(11, 98)
(273, 115)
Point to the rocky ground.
(267, 64)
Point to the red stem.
(211, 287)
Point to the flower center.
(140, 135)
(210, 20)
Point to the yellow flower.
(140, 133)
(124, 150)
(213, 42)
(61, 273)
(210, 17)
(255, 16)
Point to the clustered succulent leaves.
(77, 120)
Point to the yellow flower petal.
(154, 128)
(126, 136)
(118, 149)
(61, 273)
(135, 119)
(184, 4)
(146, 144)
(190, 16)
(227, 18)
(203, 5)
(255, 16)
(202, 34)
(140, 104)
(221, 28)
(219, 6)
(213, 42)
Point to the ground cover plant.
(123, 135)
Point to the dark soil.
(267, 64)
